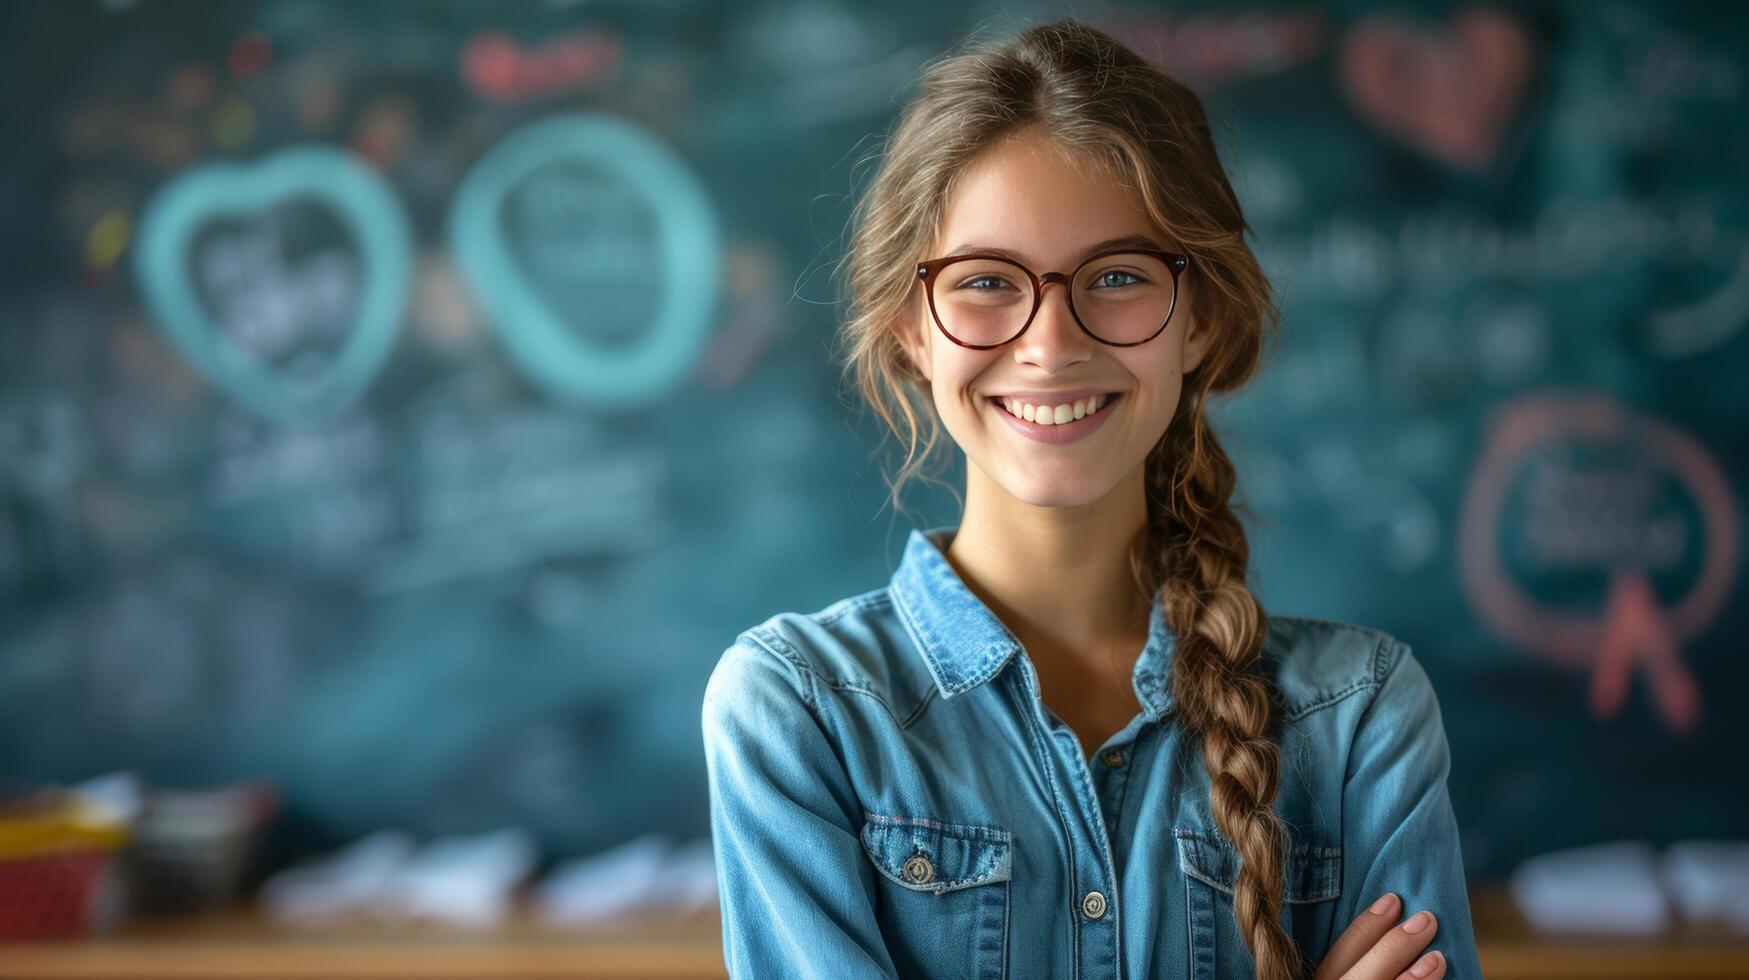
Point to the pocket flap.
(930, 856)
(1313, 872)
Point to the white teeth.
(1054, 415)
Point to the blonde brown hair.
(1092, 95)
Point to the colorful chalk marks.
(580, 205)
(497, 68)
(649, 224)
(1609, 511)
(367, 208)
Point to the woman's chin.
(1071, 490)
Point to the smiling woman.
(1052, 744)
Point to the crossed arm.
(1400, 835)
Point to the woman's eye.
(1105, 278)
(974, 283)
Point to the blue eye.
(1102, 279)
(977, 279)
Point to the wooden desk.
(240, 945)
(1509, 950)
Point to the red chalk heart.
(1450, 93)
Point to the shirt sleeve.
(1400, 834)
(797, 891)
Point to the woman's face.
(1025, 195)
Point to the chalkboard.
(408, 403)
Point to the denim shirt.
(890, 797)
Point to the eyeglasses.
(984, 300)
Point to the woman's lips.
(1066, 432)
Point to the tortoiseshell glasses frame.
(927, 270)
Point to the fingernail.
(1418, 922)
(1384, 904)
(1425, 964)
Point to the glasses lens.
(982, 301)
(1124, 298)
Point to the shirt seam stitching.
(1374, 679)
(1300, 711)
(1036, 736)
(770, 644)
(768, 640)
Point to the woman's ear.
(1198, 336)
(915, 345)
(1196, 345)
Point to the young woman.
(1064, 740)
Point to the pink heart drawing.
(498, 68)
(1450, 93)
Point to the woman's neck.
(1058, 577)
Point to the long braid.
(1200, 556)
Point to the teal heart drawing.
(687, 246)
(368, 211)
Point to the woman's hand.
(1371, 949)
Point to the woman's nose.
(1054, 339)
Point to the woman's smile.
(1082, 418)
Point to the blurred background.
(403, 405)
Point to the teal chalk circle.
(367, 209)
(538, 339)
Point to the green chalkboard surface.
(408, 402)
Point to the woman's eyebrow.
(1126, 241)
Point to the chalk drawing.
(367, 208)
(625, 163)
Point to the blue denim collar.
(964, 643)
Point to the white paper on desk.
(346, 883)
(644, 875)
(1709, 880)
(460, 881)
(121, 795)
(690, 881)
(1608, 888)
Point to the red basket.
(55, 895)
(57, 868)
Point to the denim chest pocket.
(1312, 881)
(942, 899)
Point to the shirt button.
(1112, 757)
(918, 870)
(1093, 905)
